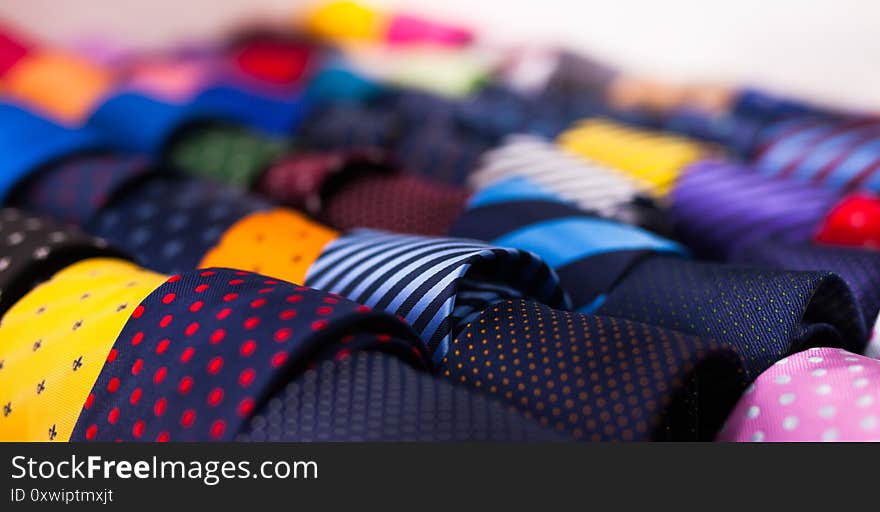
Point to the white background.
(828, 50)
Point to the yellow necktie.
(55, 340)
(653, 158)
(279, 243)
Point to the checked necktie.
(210, 347)
(32, 249)
(718, 208)
(597, 378)
(54, 341)
(361, 188)
(820, 394)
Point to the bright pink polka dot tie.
(821, 394)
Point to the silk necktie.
(597, 378)
(821, 394)
(54, 341)
(718, 208)
(435, 284)
(855, 221)
(375, 397)
(653, 158)
(32, 249)
(208, 348)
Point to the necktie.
(873, 348)
(169, 223)
(839, 154)
(54, 341)
(208, 348)
(75, 189)
(718, 208)
(588, 254)
(765, 314)
(345, 126)
(272, 59)
(821, 394)
(226, 153)
(435, 284)
(653, 158)
(280, 243)
(32, 249)
(12, 49)
(597, 378)
(374, 397)
(361, 188)
(855, 220)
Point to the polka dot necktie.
(854, 221)
(78, 187)
(375, 397)
(362, 189)
(597, 378)
(208, 348)
(169, 223)
(821, 394)
(54, 341)
(229, 154)
(718, 208)
(32, 249)
(517, 213)
(843, 155)
(435, 284)
(652, 158)
(764, 313)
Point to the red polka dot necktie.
(208, 348)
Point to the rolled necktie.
(226, 153)
(273, 59)
(840, 154)
(435, 284)
(597, 378)
(820, 394)
(873, 348)
(169, 223)
(854, 221)
(345, 126)
(76, 188)
(374, 397)
(32, 249)
(588, 253)
(13, 48)
(208, 348)
(655, 159)
(718, 208)
(764, 313)
(362, 188)
(54, 341)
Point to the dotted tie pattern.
(821, 394)
(208, 348)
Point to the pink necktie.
(821, 394)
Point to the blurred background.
(825, 50)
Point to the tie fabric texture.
(820, 394)
(208, 348)
(370, 396)
(362, 188)
(32, 249)
(54, 341)
(841, 154)
(435, 284)
(718, 208)
(597, 378)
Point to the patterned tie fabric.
(766, 314)
(208, 348)
(373, 397)
(821, 394)
(32, 249)
(597, 378)
(361, 188)
(435, 284)
(652, 158)
(718, 208)
(854, 221)
(47, 372)
(839, 154)
(574, 243)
